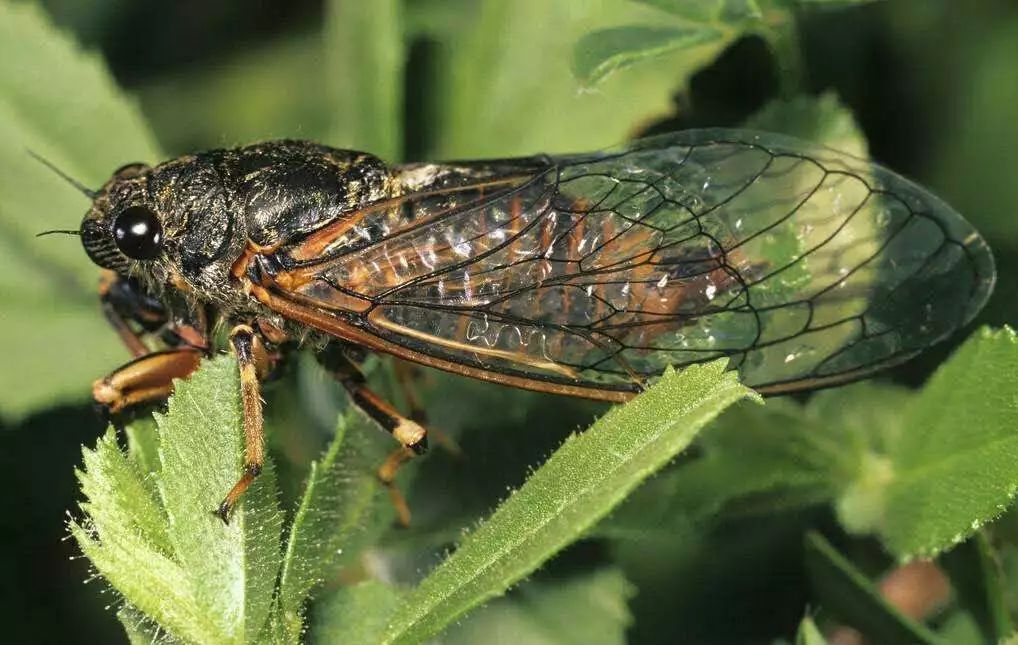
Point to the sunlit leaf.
(162, 547)
(955, 466)
(498, 94)
(600, 53)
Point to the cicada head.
(168, 226)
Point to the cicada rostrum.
(583, 275)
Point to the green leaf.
(141, 630)
(137, 564)
(588, 476)
(976, 147)
(119, 496)
(356, 614)
(506, 85)
(160, 545)
(732, 11)
(959, 627)
(922, 471)
(831, 4)
(338, 505)
(979, 586)
(955, 466)
(692, 29)
(143, 447)
(736, 11)
(364, 46)
(62, 104)
(232, 569)
(822, 120)
(602, 52)
(771, 459)
(588, 609)
(693, 10)
(809, 634)
(846, 592)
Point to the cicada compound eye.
(138, 233)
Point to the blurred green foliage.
(713, 549)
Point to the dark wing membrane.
(803, 265)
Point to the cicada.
(583, 275)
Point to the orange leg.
(146, 379)
(412, 436)
(406, 373)
(386, 474)
(252, 360)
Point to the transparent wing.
(803, 265)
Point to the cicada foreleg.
(146, 379)
(120, 303)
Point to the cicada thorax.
(286, 190)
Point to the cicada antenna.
(59, 230)
(87, 192)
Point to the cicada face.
(170, 226)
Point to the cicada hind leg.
(411, 435)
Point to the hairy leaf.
(150, 531)
(766, 460)
(955, 466)
(356, 614)
(339, 502)
(140, 566)
(588, 476)
(141, 630)
(231, 569)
